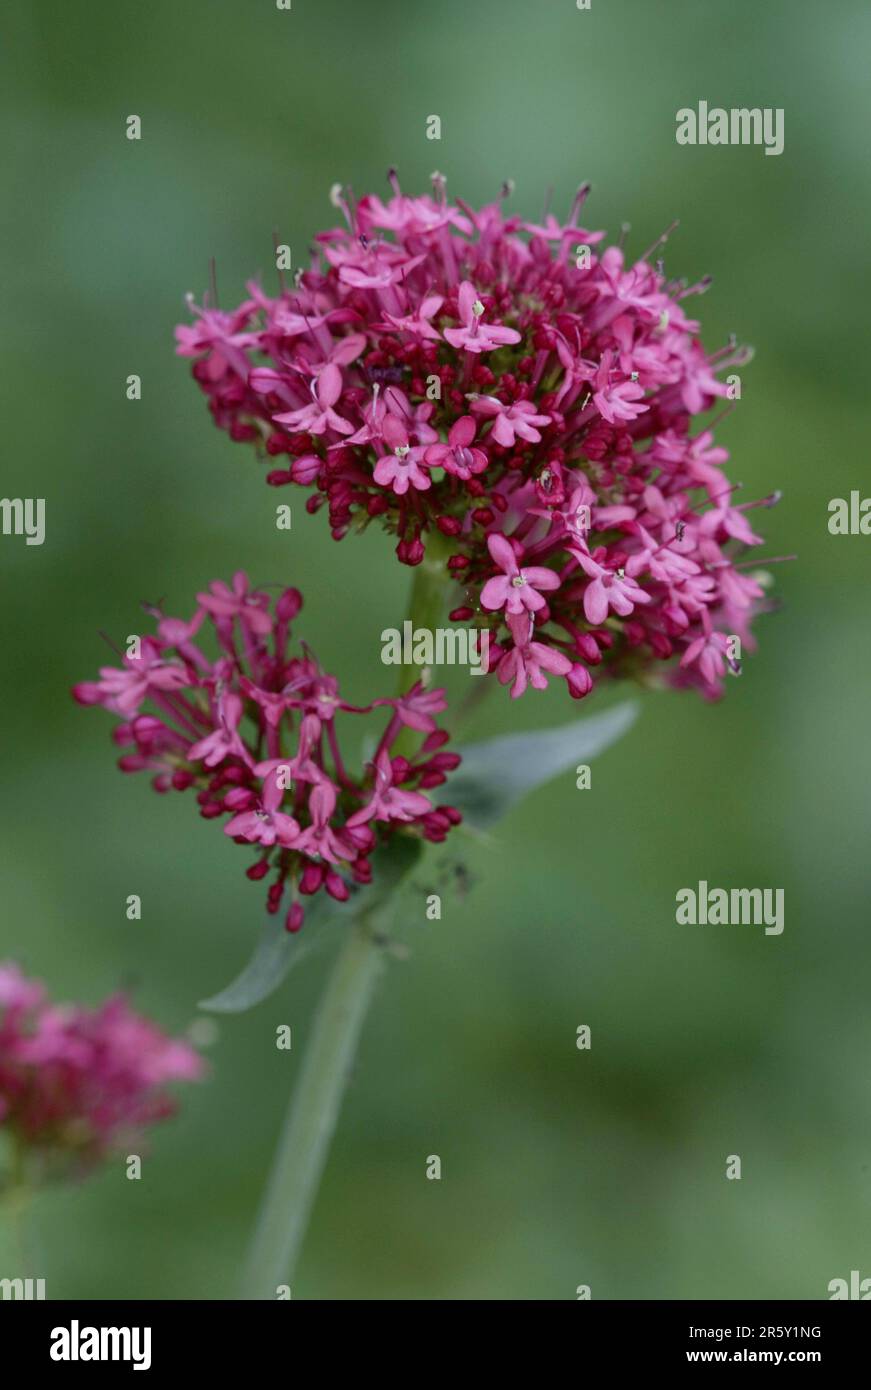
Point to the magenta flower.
(124, 690)
(709, 654)
(527, 661)
(511, 422)
(406, 466)
(475, 335)
(319, 840)
(224, 741)
(77, 1084)
(419, 325)
(253, 730)
(388, 801)
(225, 602)
(614, 400)
(319, 417)
(457, 375)
(416, 709)
(457, 457)
(515, 589)
(608, 589)
(266, 824)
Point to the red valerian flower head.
(77, 1083)
(252, 728)
(516, 389)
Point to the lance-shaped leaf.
(496, 774)
(278, 951)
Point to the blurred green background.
(560, 1167)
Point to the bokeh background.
(560, 1167)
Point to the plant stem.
(15, 1201)
(427, 607)
(312, 1115)
(314, 1108)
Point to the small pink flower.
(16, 992)
(456, 456)
(419, 324)
(239, 602)
(378, 269)
(416, 709)
(527, 661)
(711, 654)
(319, 417)
(608, 589)
(510, 423)
(75, 1083)
(406, 466)
(475, 335)
(515, 589)
(731, 521)
(253, 731)
(125, 691)
(409, 216)
(320, 840)
(217, 335)
(615, 401)
(224, 741)
(389, 802)
(266, 825)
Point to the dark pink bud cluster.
(76, 1083)
(253, 729)
(529, 399)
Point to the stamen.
(579, 199)
(758, 563)
(108, 640)
(660, 241)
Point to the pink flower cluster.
(511, 388)
(75, 1082)
(254, 730)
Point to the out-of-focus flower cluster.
(526, 396)
(76, 1083)
(253, 729)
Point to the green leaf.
(278, 951)
(496, 774)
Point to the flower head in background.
(254, 727)
(521, 393)
(77, 1083)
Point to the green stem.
(428, 604)
(314, 1108)
(16, 1254)
(312, 1115)
(427, 609)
